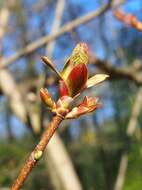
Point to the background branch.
(44, 40)
(127, 72)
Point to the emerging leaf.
(63, 89)
(79, 55)
(64, 102)
(98, 78)
(77, 79)
(63, 105)
(88, 105)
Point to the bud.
(38, 154)
(46, 98)
(75, 71)
(64, 102)
(73, 80)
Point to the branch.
(37, 152)
(128, 19)
(129, 72)
(43, 40)
(130, 131)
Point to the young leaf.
(77, 78)
(63, 89)
(98, 78)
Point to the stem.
(37, 153)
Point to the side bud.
(46, 98)
(63, 105)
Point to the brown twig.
(128, 19)
(37, 153)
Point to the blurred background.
(100, 151)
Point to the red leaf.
(84, 102)
(76, 112)
(89, 104)
(89, 101)
(63, 89)
(77, 79)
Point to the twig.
(37, 153)
(128, 19)
(130, 131)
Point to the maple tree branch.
(37, 152)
